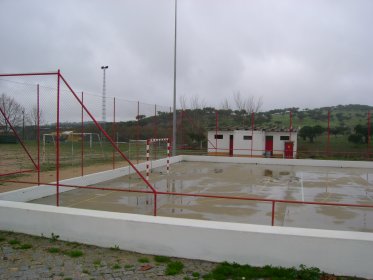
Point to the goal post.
(148, 153)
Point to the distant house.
(256, 143)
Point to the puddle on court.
(341, 185)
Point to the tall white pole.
(174, 105)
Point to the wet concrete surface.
(295, 183)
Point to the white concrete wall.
(222, 145)
(291, 162)
(243, 147)
(339, 252)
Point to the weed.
(162, 259)
(115, 248)
(14, 242)
(2, 238)
(195, 274)
(85, 271)
(54, 250)
(54, 237)
(128, 266)
(235, 271)
(116, 266)
(74, 244)
(97, 262)
(74, 253)
(67, 278)
(174, 268)
(143, 260)
(25, 246)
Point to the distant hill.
(194, 124)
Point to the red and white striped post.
(152, 140)
(147, 158)
(168, 155)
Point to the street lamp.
(104, 95)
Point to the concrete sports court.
(284, 182)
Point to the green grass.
(54, 250)
(195, 274)
(162, 259)
(116, 266)
(14, 242)
(235, 271)
(339, 148)
(25, 246)
(143, 260)
(128, 266)
(74, 253)
(174, 268)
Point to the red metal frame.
(272, 201)
(113, 127)
(18, 138)
(82, 144)
(38, 130)
(111, 142)
(58, 141)
(368, 134)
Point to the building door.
(289, 149)
(231, 145)
(269, 146)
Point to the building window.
(284, 138)
(218, 136)
(247, 137)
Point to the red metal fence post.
(216, 131)
(38, 130)
(252, 132)
(273, 212)
(138, 131)
(328, 143)
(114, 133)
(82, 151)
(58, 141)
(369, 128)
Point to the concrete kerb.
(339, 252)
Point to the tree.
(183, 102)
(196, 103)
(33, 116)
(12, 110)
(361, 134)
(248, 104)
(225, 105)
(310, 132)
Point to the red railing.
(256, 199)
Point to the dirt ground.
(50, 176)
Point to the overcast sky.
(291, 53)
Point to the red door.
(269, 146)
(289, 149)
(231, 145)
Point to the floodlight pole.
(104, 96)
(174, 104)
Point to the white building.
(256, 143)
